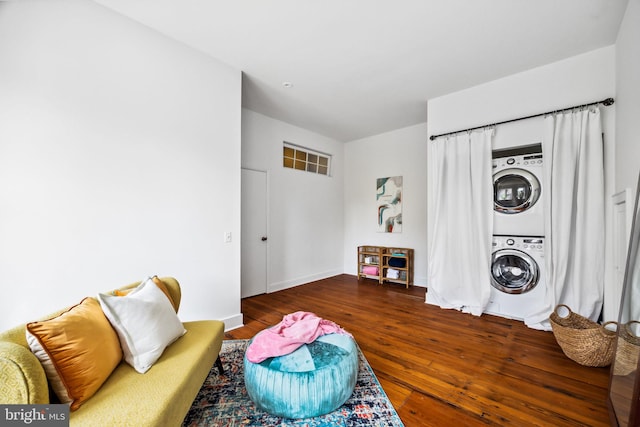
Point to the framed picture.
(389, 202)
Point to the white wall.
(111, 137)
(627, 165)
(305, 210)
(627, 149)
(573, 81)
(400, 152)
(579, 79)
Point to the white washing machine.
(517, 191)
(517, 276)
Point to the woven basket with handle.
(628, 350)
(583, 340)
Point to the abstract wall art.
(389, 202)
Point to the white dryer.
(517, 191)
(517, 276)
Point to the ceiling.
(364, 67)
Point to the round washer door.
(514, 190)
(513, 271)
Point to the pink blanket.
(295, 329)
(370, 270)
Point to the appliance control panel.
(530, 160)
(519, 242)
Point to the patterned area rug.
(223, 400)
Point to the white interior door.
(254, 233)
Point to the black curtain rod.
(605, 102)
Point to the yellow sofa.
(160, 397)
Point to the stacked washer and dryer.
(517, 262)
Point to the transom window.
(304, 159)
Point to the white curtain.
(461, 186)
(574, 214)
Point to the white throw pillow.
(145, 321)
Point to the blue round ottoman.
(314, 380)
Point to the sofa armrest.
(22, 378)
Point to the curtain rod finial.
(608, 101)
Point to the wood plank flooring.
(442, 367)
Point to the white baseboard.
(274, 287)
(420, 281)
(233, 322)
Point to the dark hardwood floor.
(442, 367)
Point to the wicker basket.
(582, 340)
(628, 350)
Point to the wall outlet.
(227, 237)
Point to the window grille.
(304, 159)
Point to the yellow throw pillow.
(77, 349)
(159, 283)
(163, 287)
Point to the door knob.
(264, 238)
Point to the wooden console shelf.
(386, 264)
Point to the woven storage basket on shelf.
(628, 350)
(583, 340)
